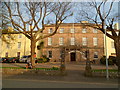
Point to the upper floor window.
(50, 30)
(84, 30)
(19, 36)
(61, 30)
(95, 41)
(8, 36)
(72, 41)
(72, 30)
(112, 44)
(95, 55)
(49, 41)
(61, 39)
(19, 44)
(8, 45)
(84, 41)
(95, 31)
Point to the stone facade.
(75, 52)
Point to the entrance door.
(73, 56)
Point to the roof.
(69, 24)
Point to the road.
(19, 83)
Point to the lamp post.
(107, 73)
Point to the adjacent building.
(15, 48)
(110, 42)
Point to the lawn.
(53, 68)
(104, 70)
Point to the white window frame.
(19, 45)
(72, 41)
(95, 41)
(49, 41)
(6, 54)
(61, 30)
(8, 36)
(8, 46)
(84, 41)
(72, 30)
(112, 44)
(84, 30)
(95, 53)
(50, 30)
(61, 41)
(19, 36)
(49, 54)
(95, 31)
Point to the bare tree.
(103, 16)
(35, 15)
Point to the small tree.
(35, 15)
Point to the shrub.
(113, 58)
(116, 62)
(43, 59)
(103, 60)
(110, 60)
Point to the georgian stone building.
(73, 39)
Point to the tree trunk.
(33, 45)
(117, 49)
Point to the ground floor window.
(84, 55)
(61, 54)
(6, 54)
(18, 54)
(50, 54)
(95, 55)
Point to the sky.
(55, 0)
(73, 19)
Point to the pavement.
(69, 66)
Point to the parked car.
(13, 59)
(24, 58)
(0, 60)
(4, 60)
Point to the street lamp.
(107, 73)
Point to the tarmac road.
(17, 83)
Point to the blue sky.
(73, 19)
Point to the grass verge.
(104, 70)
(53, 68)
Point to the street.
(19, 83)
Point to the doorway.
(73, 56)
